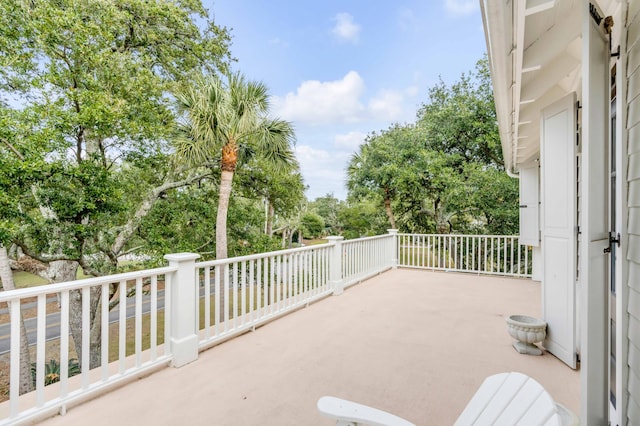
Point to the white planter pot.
(527, 331)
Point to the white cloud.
(461, 7)
(412, 91)
(323, 171)
(407, 20)
(277, 41)
(350, 141)
(341, 102)
(319, 102)
(392, 106)
(388, 105)
(345, 28)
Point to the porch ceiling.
(535, 49)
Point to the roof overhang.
(534, 49)
(535, 57)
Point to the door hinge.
(614, 238)
(593, 11)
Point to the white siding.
(633, 200)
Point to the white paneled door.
(558, 211)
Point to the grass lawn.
(25, 279)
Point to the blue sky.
(341, 69)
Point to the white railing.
(365, 257)
(239, 294)
(148, 319)
(485, 254)
(129, 340)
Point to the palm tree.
(228, 122)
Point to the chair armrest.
(347, 412)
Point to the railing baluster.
(234, 309)
(122, 327)
(217, 306)
(104, 332)
(41, 326)
(138, 322)
(86, 330)
(153, 320)
(14, 355)
(168, 312)
(225, 281)
(271, 285)
(489, 254)
(64, 342)
(206, 289)
(252, 290)
(260, 287)
(519, 258)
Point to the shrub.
(52, 371)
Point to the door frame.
(594, 396)
(618, 415)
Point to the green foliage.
(282, 188)
(444, 173)
(312, 225)
(328, 208)
(85, 115)
(52, 371)
(361, 219)
(460, 120)
(233, 115)
(227, 122)
(182, 221)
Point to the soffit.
(535, 57)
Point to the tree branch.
(46, 258)
(145, 207)
(12, 149)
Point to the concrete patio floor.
(412, 342)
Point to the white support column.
(335, 265)
(394, 247)
(184, 296)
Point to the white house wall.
(633, 202)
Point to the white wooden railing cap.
(334, 238)
(181, 257)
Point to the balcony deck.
(412, 342)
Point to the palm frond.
(215, 113)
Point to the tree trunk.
(270, 215)
(226, 180)
(6, 277)
(291, 237)
(66, 270)
(387, 207)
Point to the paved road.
(53, 321)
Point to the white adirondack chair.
(502, 399)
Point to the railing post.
(335, 265)
(394, 247)
(184, 296)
